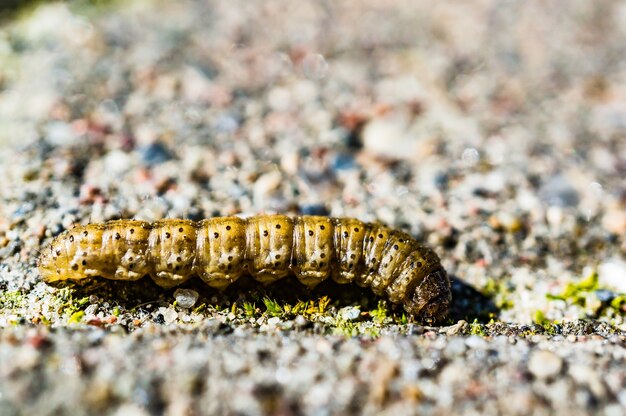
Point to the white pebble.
(390, 137)
(264, 186)
(349, 313)
(455, 346)
(186, 298)
(279, 99)
(470, 156)
(116, 162)
(544, 364)
(475, 342)
(273, 322)
(585, 375)
(612, 274)
(614, 220)
(60, 134)
(169, 315)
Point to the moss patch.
(585, 293)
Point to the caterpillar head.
(430, 299)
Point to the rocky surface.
(495, 132)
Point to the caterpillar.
(268, 247)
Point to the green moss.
(11, 300)
(551, 328)
(76, 317)
(618, 302)
(477, 328)
(539, 317)
(200, 308)
(380, 313)
(576, 293)
(311, 307)
(372, 331)
(583, 294)
(273, 307)
(588, 284)
(499, 293)
(346, 328)
(68, 304)
(322, 304)
(249, 309)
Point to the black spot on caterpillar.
(268, 247)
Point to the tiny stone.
(313, 209)
(605, 295)
(614, 220)
(349, 313)
(389, 136)
(612, 274)
(91, 309)
(272, 322)
(169, 315)
(544, 364)
(414, 329)
(186, 298)
(456, 347)
(344, 162)
(475, 342)
(557, 191)
(60, 134)
(155, 153)
(301, 321)
(456, 328)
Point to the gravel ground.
(494, 131)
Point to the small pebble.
(169, 315)
(155, 153)
(389, 136)
(612, 274)
(476, 342)
(301, 321)
(557, 191)
(186, 298)
(470, 156)
(605, 295)
(456, 328)
(273, 322)
(314, 209)
(614, 220)
(60, 134)
(544, 364)
(343, 162)
(349, 313)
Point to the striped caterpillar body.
(268, 247)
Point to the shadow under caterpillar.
(268, 247)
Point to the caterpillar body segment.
(268, 247)
(221, 248)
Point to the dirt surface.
(493, 131)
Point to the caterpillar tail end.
(430, 301)
(46, 268)
(56, 270)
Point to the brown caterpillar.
(268, 247)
